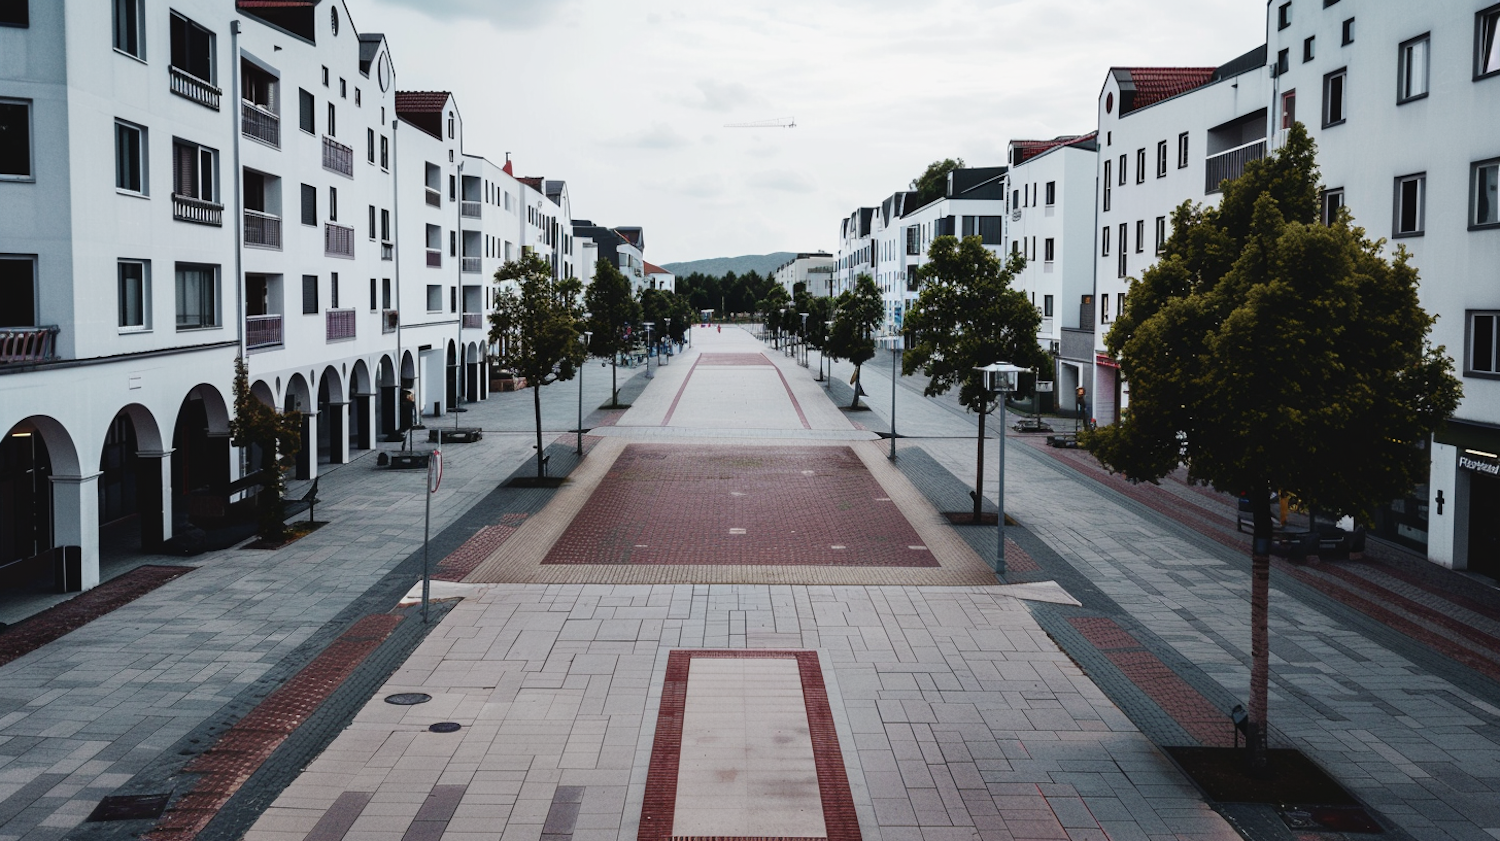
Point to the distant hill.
(762, 264)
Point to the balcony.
(257, 123)
(434, 258)
(471, 265)
(1227, 166)
(387, 251)
(1046, 328)
(473, 321)
(197, 211)
(338, 325)
(338, 240)
(389, 321)
(1015, 215)
(434, 198)
(470, 209)
(27, 345)
(262, 230)
(186, 85)
(262, 331)
(337, 157)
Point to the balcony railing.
(260, 124)
(471, 265)
(189, 209)
(1227, 166)
(473, 321)
(338, 240)
(434, 198)
(262, 230)
(187, 85)
(262, 331)
(337, 157)
(387, 251)
(389, 321)
(1046, 328)
(1015, 215)
(339, 325)
(434, 258)
(23, 345)
(470, 209)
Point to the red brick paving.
(464, 559)
(672, 504)
(241, 750)
(659, 806)
(1194, 713)
(57, 621)
(671, 410)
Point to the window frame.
(1104, 308)
(310, 294)
(1140, 165)
(434, 288)
(23, 23)
(1341, 77)
(1287, 116)
(1124, 249)
(213, 50)
(1309, 48)
(142, 162)
(1161, 234)
(307, 111)
(145, 295)
(1420, 178)
(1283, 16)
(1104, 241)
(1403, 72)
(1469, 338)
(1346, 32)
(34, 273)
(1161, 159)
(1049, 250)
(1327, 208)
(1140, 236)
(138, 6)
(215, 189)
(216, 304)
(1049, 194)
(1182, 149)
(1474, 169)
(1489, 15)
(29, 107)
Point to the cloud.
(658, 136)
(722, 96)
(504, 14)
(710, 185)
(784, 180)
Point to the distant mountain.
(762, 264)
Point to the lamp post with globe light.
(1002, 379)
(648, 325)
(585, 338)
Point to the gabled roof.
(1142, 86)
(1022, 151)
(369, 45)
(534, 182)
(652, 268)
(421, 102)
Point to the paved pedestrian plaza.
(738, 618)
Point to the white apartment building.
(624, 247)
(1423, 79)
(813, 269)
(856, 254)
(888, 240)
(1166, 135)
(1051, 224)
(973, 204)
(659, 278)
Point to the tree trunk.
(1260, 631)
(855, 404)
(979, 477)
(536, 402)
(614, 381)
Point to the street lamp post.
(661, 357)
(894, 341)
(587, 335)
(823, 354)
(1001, 378)
(804, 338)
(648, 325)
(780, 335)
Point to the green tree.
(278, 437)
(967, 316)
(1270, 352)
(770, 306)
(933, 183)
(536, 325)
(612, 310)
(854, 320)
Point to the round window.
(1109, 102)
(383, 72)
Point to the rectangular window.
(1104, 242)
(357, 103)
(1048, 250)
(1182, 150)
(192, 49)
(195, 171)
(1332, 200)
(1410, 197)
(343, 89)
(1288, 109)
(1106, 184)
(385, 225)
(1119, 305)
(372, 221)
(385, 152)
(1309, 49)
(1486, 44)
(15, 140)
(309, 294)
(332, 121)
(333, 290)
(434, 297)
(1124, 160)
(1283, 62)
(1047, 306)
(197, 296)
(385, 293)
(1484, 201)
(1140, 166)
(1348, 32)
(15, 13)
(1051, 193)
(309, 204)
(1333, 97)
(17, 291)
(1484, 354)
(1284, 16)
(130, 158)
(1124, 247)
(452, 296)
(374, 294)
(135, 295)
(1161, 159)
(130, 38)
(1104, 308)
(325, 77)
(370, 145)
(1140, 235)
(305, 111)
(333, 204)
(1412, 69)
(1161, 234)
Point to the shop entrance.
(1484, 524)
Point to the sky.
(628, 101)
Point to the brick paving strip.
(243, 748)
(21, 639)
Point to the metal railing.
(471, 209)
(473, 321)
(189, 209)
(1229, 165)
(22, 345)
(260, 124)
(434, 198)
(389, 321)
(187, 85)
(338, 240)
(337, 157)
(262, 331)
(262, 230)
(434, 258)
(471, 265)
(1015, 215)
(338, 324)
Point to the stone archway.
(332, 418)
(32, 453)
(388, 418)
(361, 407)
(134, 484)
(202, 460)
(298, 398)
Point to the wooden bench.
(296, 505)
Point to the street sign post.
(434, 481)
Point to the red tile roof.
(421, 102)
(1031, 148)
(1153, 84)
(652, 268)
(534, 182)
(274, 4)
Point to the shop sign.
(1478, 462)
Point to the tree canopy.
(932, 183)
(612, 309)
(856, 313)
(278, 435)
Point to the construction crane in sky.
(774, 122)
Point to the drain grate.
(445, 727)
(130, 807)
(406, 699)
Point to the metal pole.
(580, 410)
(1000, 497)
(426, 532)
(894, 373)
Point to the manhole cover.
(130, 807)
(406, 699)
(445, 727)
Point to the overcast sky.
(627, 101)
